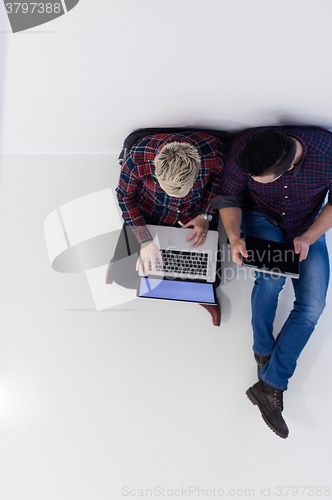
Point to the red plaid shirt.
(142, 200)
(292, 201)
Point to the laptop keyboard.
(181, 262)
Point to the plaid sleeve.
(212, 186)
(227, 200)
(233, 180)
(126, 194)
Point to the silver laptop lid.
(174, 239)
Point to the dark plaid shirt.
(292, 201)
(141, 198)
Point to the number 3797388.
(33, 7)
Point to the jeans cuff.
(267, 354)
(272, 384)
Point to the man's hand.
(199, 232)
(301, 246)
(149, 254)
(238, 249)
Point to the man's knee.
(312, 309)
(269, 283)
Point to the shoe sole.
(256, 403)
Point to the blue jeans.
(310, 293)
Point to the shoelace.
(261, 360)
(278, 399)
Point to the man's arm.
(229, 203)
(231, 218)
(322, 224)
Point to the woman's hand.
(199, 232)
(149, 253)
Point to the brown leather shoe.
(269, 401)
(261, 360)
(215, 313)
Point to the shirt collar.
(299, 164)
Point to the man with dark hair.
(269, 151)
(273, 186)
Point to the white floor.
(105, 405)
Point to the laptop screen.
(176, 290)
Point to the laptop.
(272, 257)
(188, 272)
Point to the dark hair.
(267, 152)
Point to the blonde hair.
(177, 166)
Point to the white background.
(108, 67)
(143, 394)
